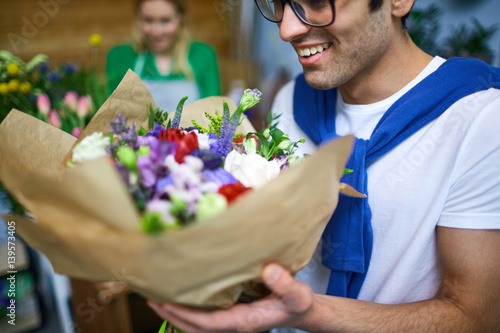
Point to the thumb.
(295, 296)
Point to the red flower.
(186, 143)
(171, 134)
(241, 138)
(233, 191)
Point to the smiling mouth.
(309, 51)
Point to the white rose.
(92, 146)
(204, 140)
(252, 170)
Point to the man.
(429, 234)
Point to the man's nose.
(291, 26)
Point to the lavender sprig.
(224, 148)
(250, 98)
(119, 124)
(128, 135)
(178, 113)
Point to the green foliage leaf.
(36, 61)
(348, 171)
(151, 119)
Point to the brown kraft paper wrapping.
(87, 225)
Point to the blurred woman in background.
(162, 53)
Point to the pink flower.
(77, 131)
(43, 104)
(84, 104)
(71, 100)
(54, 119)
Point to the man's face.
(346, 49)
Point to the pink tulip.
(43, 104)
(84, 104)
(54, 119)
(77, 131)
(71, 100)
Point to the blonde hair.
(180, 51)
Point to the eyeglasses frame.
(290, 2)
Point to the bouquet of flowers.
(178, 176)
(88, 218)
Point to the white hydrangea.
(204, 140)
(91, 147)
(252, 170)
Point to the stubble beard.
(345, 63)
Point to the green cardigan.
(201, 57)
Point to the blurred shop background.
(63, 45)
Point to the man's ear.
(400, 8)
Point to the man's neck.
(398, 67)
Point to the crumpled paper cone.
(87, 225)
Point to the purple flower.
(124, 173)
(165, 148)
(158, 149)
(151, 142)
(210, 159)
(156, 130)
(282, 162)
(219, 176)
(147, 171)
(214, 142)
(162, 183)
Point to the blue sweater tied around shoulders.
(347, 240)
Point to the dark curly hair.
(376, 4)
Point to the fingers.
(193, 321)
(290, 300)
(295, 296)
(162, 311)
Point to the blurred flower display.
(95, 40)
(65, 95)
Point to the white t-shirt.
(446, 174)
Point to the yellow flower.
(25, 87)
(4, 88)
(13, 69)
(95, 40)
(13, 85)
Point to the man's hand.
(290, 303)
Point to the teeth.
(313, 50)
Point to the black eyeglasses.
(316, 13)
